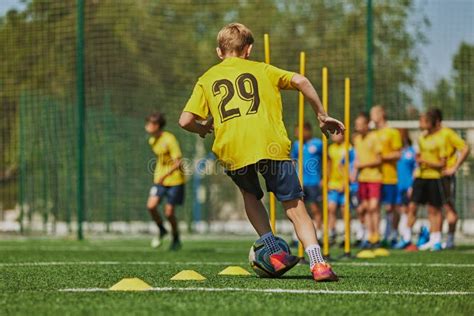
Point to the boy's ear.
(248, 50)
(219, 53)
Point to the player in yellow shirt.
(243, 98)
(457, 151)
(168, 178)
(428, 187)
(391, 144)
(368, 164)
(336, 152)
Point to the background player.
(168, 178)
(335, 183)
(391, 144)
(427, 188)
(250, 137)
(312, 154)
(457, 152)
(405, 170)
(368, 165)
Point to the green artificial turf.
(27, 286)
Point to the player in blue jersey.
(405, 168)
(312, 155)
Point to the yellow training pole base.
(131, 284)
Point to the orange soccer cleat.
(323, 272)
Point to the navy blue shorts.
(174, 194)
(312, 193)
(389, 194)
(280, 178)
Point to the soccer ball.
(259, 258)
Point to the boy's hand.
(208, 127)
(330, 125)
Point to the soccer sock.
(435, 238)
(314, 254)
(360, 232)
(270, 242)
(450, 239)
(406, 234)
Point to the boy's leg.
(154, 199)
(247, 180)
(175, 197)
(256, 213)
(283, 181)
(316, 215)
(451, 214)
(374, 214)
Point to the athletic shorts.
(174, 194)
(402, 196)
(336, 197)
(389, 194)
(369, 190)
(449, 186)
(280, 178)
(312, 193)
(354, 196)
(428, 191)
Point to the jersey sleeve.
(279, 77)
(197, 103)
(174, 149)
(455, 140)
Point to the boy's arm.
(176, 165)
(377, 162)
(327, 124)
(188, 122)
(464, 153)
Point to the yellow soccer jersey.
(336, 177)
(367, 149)
(431, 147)
(166, 149)
(244, 99)
(390, 141)
(453, 144)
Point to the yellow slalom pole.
(347, 122)
(266, 44)
(325, 171)
(300, 136)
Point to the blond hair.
(380, 109)
(234, 37)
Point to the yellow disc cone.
(234, 270)
(131, 284)
(366, 254)
(381, 252)
(188, 275)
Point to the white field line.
(279, 290)
(219, 263)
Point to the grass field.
(33, 273)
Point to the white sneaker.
(426, 246)
(156, 242)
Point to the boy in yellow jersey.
(368, 164)
(391, 144)
(244, 100)
(168, 178)
(336, 153)
(457, 151)
(428, 187)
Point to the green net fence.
(145, 55)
